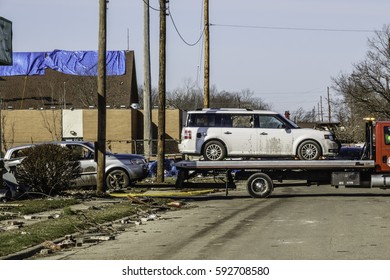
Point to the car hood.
(125, 156)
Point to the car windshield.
(92, 146)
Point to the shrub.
(48, 168)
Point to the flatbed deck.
(275, 164)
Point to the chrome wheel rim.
(213, 152)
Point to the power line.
(311, 91)
(181, 37)
(176, 28)
(155, 9)
(293, 28)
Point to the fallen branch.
(10, 205)
(136, 200)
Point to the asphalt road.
(294, 223)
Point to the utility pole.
(161, 95)
(314, 114)
(206, 101)
(329, 116)
(147, 84)
(128, 39)
(321, 113)
(318, 112)
(101, 88)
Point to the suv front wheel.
(309, 150)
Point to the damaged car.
(121, 169)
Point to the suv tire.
(214, 150)
(309, 150)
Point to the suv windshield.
(293, 124)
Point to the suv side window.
(270, 122)
(240, 120)
(206, 120)
(221, 120)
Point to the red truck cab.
(382, 146)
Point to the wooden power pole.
(147, 85)
(101, 88)
(206, 101)
(329, 111)
(161, 95)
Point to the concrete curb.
(163, 194)
(29, 252)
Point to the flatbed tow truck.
(371, 168)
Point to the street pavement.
(294, 223)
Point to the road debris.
(40, 216)
(145, 210)
(177, 204)
(9, 205)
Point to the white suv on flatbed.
(217, 134)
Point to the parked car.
(121, 169)
(217, 134)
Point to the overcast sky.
(285, 51)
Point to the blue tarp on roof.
(80, 63)
(25, 64)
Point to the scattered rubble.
(9, 205)
(97, 232)
(41, 216)
(177, 204)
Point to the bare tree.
(85, 91)
(7, 132)
(187, 97)
(366, 91)
(368, 86)
(50, 118)
(300, 115)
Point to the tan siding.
(124, 127)
(90, 125)
(26, 126)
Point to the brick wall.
(124, 128)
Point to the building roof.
(56, 89)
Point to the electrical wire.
(174, 25)
(178, 32)
(155, 9)
(292, 28)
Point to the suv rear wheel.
(214, 150)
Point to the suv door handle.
(264, 133)
(227, 132)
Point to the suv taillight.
(187, 134)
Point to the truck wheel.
(214, 150)
(309, 150)
(117, 179)
(259, 185)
